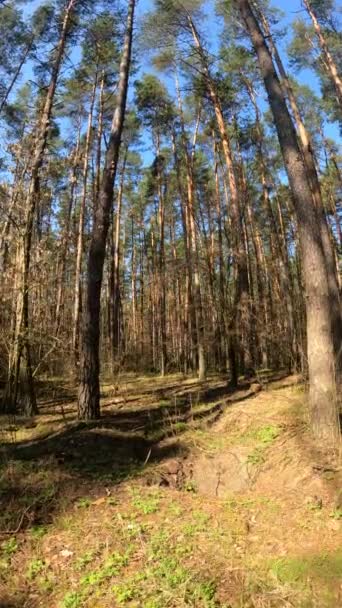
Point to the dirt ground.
(183, 494)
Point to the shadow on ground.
(40, 478)
(17, 604)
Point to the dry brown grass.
(95, 534)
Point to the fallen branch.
(19, 526)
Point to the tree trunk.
(114, 280)
(16, 75)
(276, 234)
(222, 330)
(21, 336)
(89, 388)
(99, 143)
(161, 258)
(309, 162)
(337, 82)
(322, 362)
(240, 324)
(188, 300)
(194, 287)
(66, 237)
(80, 237)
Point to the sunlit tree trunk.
(89, 388)
(160, 178)
(309, 161)
(114, 279)
(99, 143)
(329, 62)
(80, 237)
(66, 236)
(240, 325)
(20, 371)
(192, 235)
(322, 361)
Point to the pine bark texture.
(322, 360)
(89, 386)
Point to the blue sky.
(292, 10)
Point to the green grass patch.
(179, 427)
(240, 503)
(84, 560)
(199, 523)
(112, 567)
(92, 582)
(35, 567)
(72, 599)
(38, 532)
(145, 504)
(10, 546)
(8, 549)
(326, 567)
(155, 586)
(257, 456)
(264, 435)
(83, 503)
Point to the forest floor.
(183, 494)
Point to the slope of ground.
(184, 494)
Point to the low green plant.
(173, 573)
(179, 427)
(123, 593)
(35, 567)
(8, 549)
(10, 546)
(239, 504)
(112, 567)
(175, 509)
(257, 456)
(145, 504)
(190, 486)
(83, 503)
(73, 599)
(336, 513)
(267, 434)
(84, 560)
(299, 569)
(168, 578)
(135, 529)
(198, 524)
(263, 436)
(204, 592)
(38, 531)
(46, 584)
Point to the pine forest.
(170, 303)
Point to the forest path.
(184, 494)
